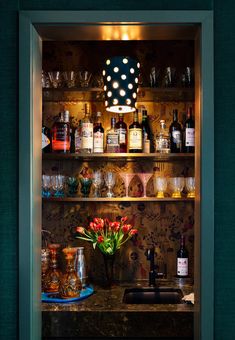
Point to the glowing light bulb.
(107, 62)
(132, 70)
(108, 78)
(122, 93)
(125, 61)
(116, 69)
(130, 86)
(109, 94)
(115, 85)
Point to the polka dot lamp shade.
(121, 76)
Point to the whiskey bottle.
(148, 144)
(182, 259)
(112, 138)
(61, 133)
(135, 135)
(163, 139)
(122, 132)
(87, 132)
(189, 132)
(176, 134)
(98, 135)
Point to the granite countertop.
(109, 316)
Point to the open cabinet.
(166, 38)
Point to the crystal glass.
(58, 185)
(53, 275)
(177, 185)
(98, 81)
(190, 186)
(45, 80)
(84, 78)
(55, 79)
(70, 285)
(85, 186)
(97, 181)
(160, 185)
(72, 183)
(46, 186)
(154, 77)
(144, 177)
(126, 179)
(70, 78)
(187, 77)
(169, 79)
(110, 182)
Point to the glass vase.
(53, 275)
(109, 269)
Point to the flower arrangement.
(106, 235)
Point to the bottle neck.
(120, 118)
(113, 123)
(175, 116)
(135, 117)
(182, 242)
(189, 113)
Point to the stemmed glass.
(58, 185)
(160, 184)
(110, 182)
(97, 181)
(144, 177)
(55, 78)
(177, 185)
(190, 186)
(72, 183)
(46, 186)
(70, 78)
(84, 78)
(126, 179)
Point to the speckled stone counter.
(105, 315)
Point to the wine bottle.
(87, 132)
(98, 133)
(147, 135)
(61, 133)
(135, 135)
(122, 132)
(176, 134)
(46, 139)
(189, 132)
(182, 259)
(112, 138)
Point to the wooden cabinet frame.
(30, 100)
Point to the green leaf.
(94, 245)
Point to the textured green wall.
(224, 12)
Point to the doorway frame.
(30, 99)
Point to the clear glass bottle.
(87, 131)
(122, 132)
(80, 266)
(163, 139)
(61, 133)
(78, 137)
(98, 135)
(135, 135)
(112, 138)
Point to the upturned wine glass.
(160, 185)
(46, 186)
(84, 78)
(177, 185)
(58, 185)
(126, 179)
(70, 78)
(144, 177)
(110, 182)
(190, 186)
(97, 181)
(55, 78)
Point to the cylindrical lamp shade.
(121, 76)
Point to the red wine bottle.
(189, 132)
(176, 134)
(182, 259)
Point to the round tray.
(55, 298)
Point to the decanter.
(53, 275)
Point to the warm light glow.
(125, 36)
(108, 78)
(116, 69)
(132, 70)
(106, 103)
(115, 85)
(120, 108)
(130, 86)
(134, 95)
(125, 61)
(122, 93)
(103, 72)
(109, 94)
(138, 65)
(107, 62)
(123, 76)
(128, 101)
(115, 101)
(136, 80)
(105, 88)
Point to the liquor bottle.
(46, 139)
(176, 134)
(189, 132)
(87, 132)
(61, 133)
(148, 144)
(78, 137)
(182, 259)
(122, 132)
(98, 133)
(135, 135)
(163, 139)
(72, 139)
(112, 138)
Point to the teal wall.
(224, 14)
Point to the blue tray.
(55, 298)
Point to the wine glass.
(144, 177)
(110, 182)
(177, 185)
(46, 186)
(190, 186)
(126, 179)
(55, 79)
(97, 181)
(72, 183)
(58, 185)
(70, 78)
(84, 78)
(160, 184)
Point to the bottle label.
(135, 139)
(122, 136)
(45, 141)
(182, 266)
(98, 141)
(112, 139)
(146, 148)
(78, 141)
(176, 136)
(189, 137)
(87, 136)
(61, 138)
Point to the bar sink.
(153, 295)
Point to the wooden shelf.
(156, 157)
(117, 199)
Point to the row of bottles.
(90, 138)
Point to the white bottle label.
(78, 141)
(122, 136)
(87, 136)
(98, 142)
(45, 141)
(182, 266)
(135, 139)
(176, 135)
(189, 137)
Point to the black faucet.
(152, 272)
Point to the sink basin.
(153, 295)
